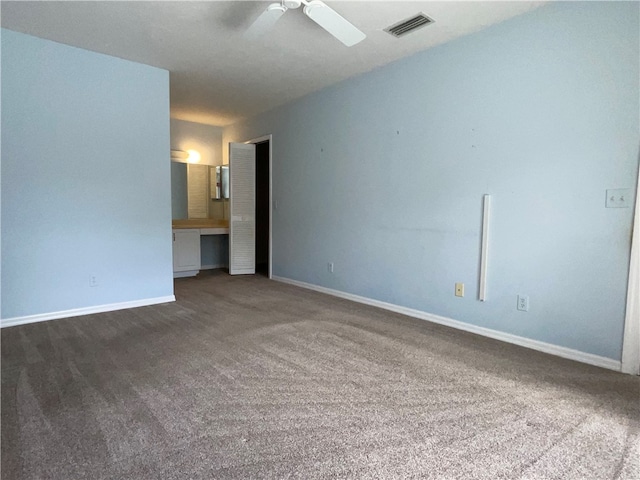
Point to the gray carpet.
(244, 377)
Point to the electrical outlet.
(330, 267)
(523, 303)
(459, 289)
(93, 281)
(619, 198)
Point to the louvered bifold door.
(242, 224)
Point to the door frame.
(631, 340)
(269, 138)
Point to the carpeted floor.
(244, 377)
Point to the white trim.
(631, 339)
(76, 312)
(186, 273)
(269, 138)
(559, 351)
(214, 266)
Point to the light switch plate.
(619, 198)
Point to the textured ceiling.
(217, 76)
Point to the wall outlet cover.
(459, 289)
(619, 198)
(523, 303)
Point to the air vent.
(409, 25)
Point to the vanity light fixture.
(194, 156)
(190, 156)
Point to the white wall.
(384, 176)
(85, 179)
(205, 139)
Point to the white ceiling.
(217, 76)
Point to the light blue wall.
(214, 251)
(85, 178)
(384, 176)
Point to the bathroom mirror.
(219, 182)
(199, 191)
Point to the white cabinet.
(186, 252)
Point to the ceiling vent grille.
(409, 25)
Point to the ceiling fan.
(317, 11)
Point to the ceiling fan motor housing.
(291, 3)
(316, 10)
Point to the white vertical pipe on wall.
(486, 211)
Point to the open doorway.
(251, 212)
(261, 171)
(263, 204)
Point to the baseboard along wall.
(76, 312)
(214, 266)
(550, 348)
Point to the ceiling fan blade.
(333, 22)
(265, 21)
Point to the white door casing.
(268, 138)
(631, 341)
(242, 222)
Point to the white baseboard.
(189, 273)
(76, 312)
(557, 350)
(212, 267)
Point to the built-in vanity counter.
(209, 226)
(200, 209)
(187, 242)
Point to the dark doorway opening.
(262, 208)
